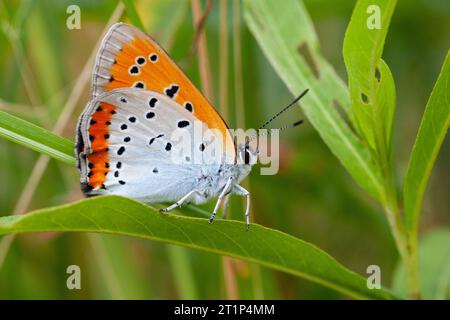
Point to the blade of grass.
(237, 57)
(223, 60)
(133, 14)
(36, 138)
(12, 32)
(106, 270)
(168, 31)
(432, 131)
(271, 248)
(202, 46)
(182, 270)
(46, 58)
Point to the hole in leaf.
(378, 74)
(364, 98)
(305, 52)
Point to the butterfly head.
(246, 158)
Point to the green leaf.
(271, 248)
(384, 112)
(432, 131)
(434, 265)
(294, 53)
(36, 138)
(133, 14)
(363, 47)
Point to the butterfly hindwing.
(129, 149)
(130, 58)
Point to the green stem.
(395, 222)
(412, 268)
(407, 246)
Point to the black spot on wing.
(139, 85)
(134, 70)
(189, 107)
(172, 91)
(183, 123)
(152, 102)
(154, 138)
(140, 60)
(121, 150)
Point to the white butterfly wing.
(126, 146)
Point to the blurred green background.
(312, 197)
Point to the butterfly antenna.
(284, 109)
(288, 126)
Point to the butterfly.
(123, 136)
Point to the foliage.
(266, 246)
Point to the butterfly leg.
(179, 202)
(225, 190)
(243, 192)
(225, 206)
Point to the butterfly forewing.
(130, 58)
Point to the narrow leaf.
(385, 98)
(432, 131)
(271, 248)
(363, 46)
(36, 138)
(294, 53)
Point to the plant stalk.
(406, 246)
